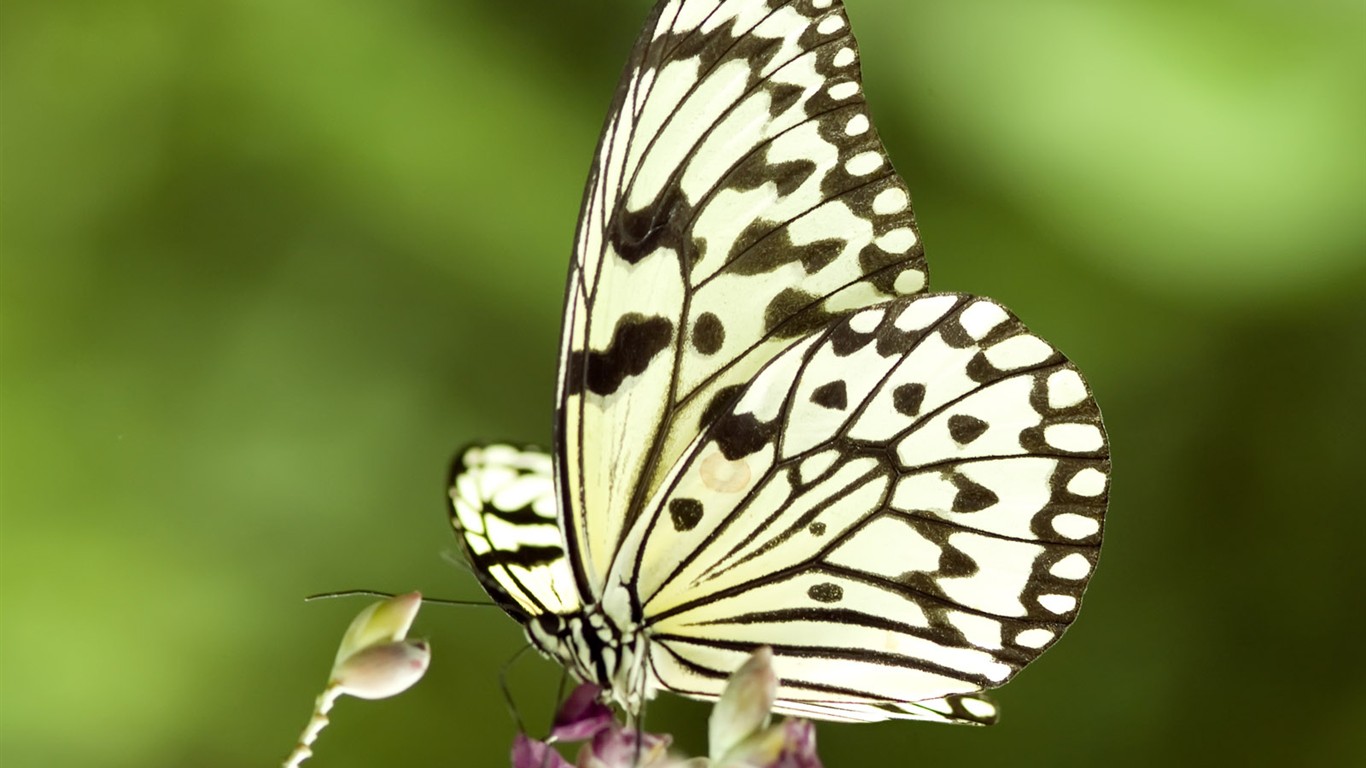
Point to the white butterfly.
(766, 434)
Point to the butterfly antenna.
(375, 593)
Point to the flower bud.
(381, 671)
(375, 661)
(743, 709)
(386, 621)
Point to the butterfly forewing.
(905, 506)
(740, 198)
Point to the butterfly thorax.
(597, 649)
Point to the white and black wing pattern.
(740, 198)
(906, 506)
(504, 510)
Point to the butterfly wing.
(972, 709)
(504, 511)
(906, 506)
(739, 199)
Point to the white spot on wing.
(845, 57)
(863, 163)
(1065, 388)
(890, 200)
(1088, 482)
(1034, 638)
(865, 321)
(1077, 438)
(1073, 567)
(980, 318)
(1059, 604)
(1018, 352)
(978, 707)
(830, 25)
(1075, 526)
(897, 241)
(857, 124)
(922, 313)
(842, 91)
(909, 281)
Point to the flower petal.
(529, 753)
(616, 748)
(582, 715)
(799, 746)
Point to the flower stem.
(315, 725)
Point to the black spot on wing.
(708, 334)
(908, 398)
(721, 403)
(794, 312)
(845, 341)
(982, 371)
(635, 342)
(788, 176)
(526, 515)
(971, 496)
(685, 513)
(818, 255)
(826, 592)
(637, 234)
(817, 528)
(955, 563)
(526, 555)
(761, 250)
(832, 395)
(964, 429)
(739, 435)
(783, 96)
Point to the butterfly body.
(767, 433)
(597, 649)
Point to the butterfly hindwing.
(740, 198)
(503, 508)
(905, 506)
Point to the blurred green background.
(266, 264)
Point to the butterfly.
(767, 431)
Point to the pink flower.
(739, 732)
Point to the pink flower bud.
(381, 671)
